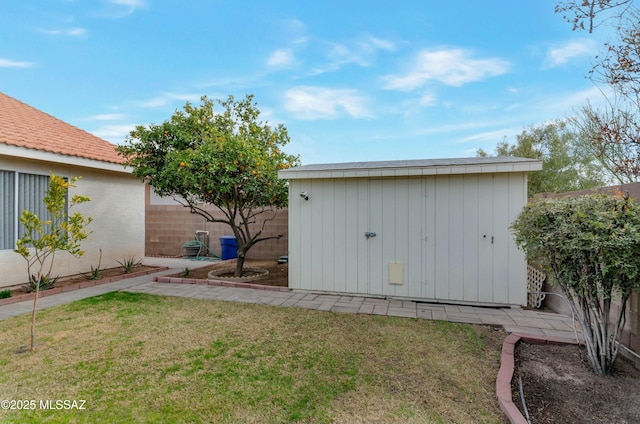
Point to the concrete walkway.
(512, 319)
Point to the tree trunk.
(33, 318)
(239, 264)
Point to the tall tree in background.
(226, 158)
(612, 130)
(566, 164)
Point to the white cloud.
(362, 52)
(71, 32)
(570, 50)
(7, 63)
(428, 99)
(130, 5)
(297, 31)
(495, 136)
(107, 117)
(371, 43)
(114, 133)
(167, 98)
(282, 58)
(310, 103)
(454, 67)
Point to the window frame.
(18, 194)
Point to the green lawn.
(147, 359)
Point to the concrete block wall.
(169, 227)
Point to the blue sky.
(351, 80)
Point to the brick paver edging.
(78, 286)
(507, 367)
(201, 282)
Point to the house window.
(20, 191)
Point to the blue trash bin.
(229, 247)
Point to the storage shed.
(432, 230)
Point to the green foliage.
(5, 294)
(62, 232)
(45, 282)
(186, 272)
(227, 158)
(43, 238)
(591, 246)
(96, 273)
(566, 164)
(129, 263)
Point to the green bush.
(590, 245)
(5, 294)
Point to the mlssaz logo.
(62, 404)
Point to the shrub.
(590, 245)
(46, 282)
(5, 294)
(128, 263)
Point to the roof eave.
(40, 155)
(412, 171)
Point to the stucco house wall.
(117, 198)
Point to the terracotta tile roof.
(24, 126)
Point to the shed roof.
(24, 126)
(416, 167)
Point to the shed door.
(391, 237)
(447, 235)
(471, 255)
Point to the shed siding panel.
(517, 260)
(328, 236)
(442, 241)
(485, 250)
(375, 244)
(416, 230)
(317, 238)
(390, 205)
(340, 235)
(406, 230)
(429, 274)
(500, 239)
(352, 252)
(296, 237)
(471, 240)
(362, 212)
(456, 237)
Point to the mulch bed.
(560, 387)
(81, 281)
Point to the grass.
(152, 359)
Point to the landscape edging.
(77, 286)
(507, 368)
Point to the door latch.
(369, 234)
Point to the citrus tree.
(227, 158)
(590, 245)
(43, 237)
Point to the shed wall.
(443, 238)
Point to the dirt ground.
(559, 387)
(80, 278)
(278, 274)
